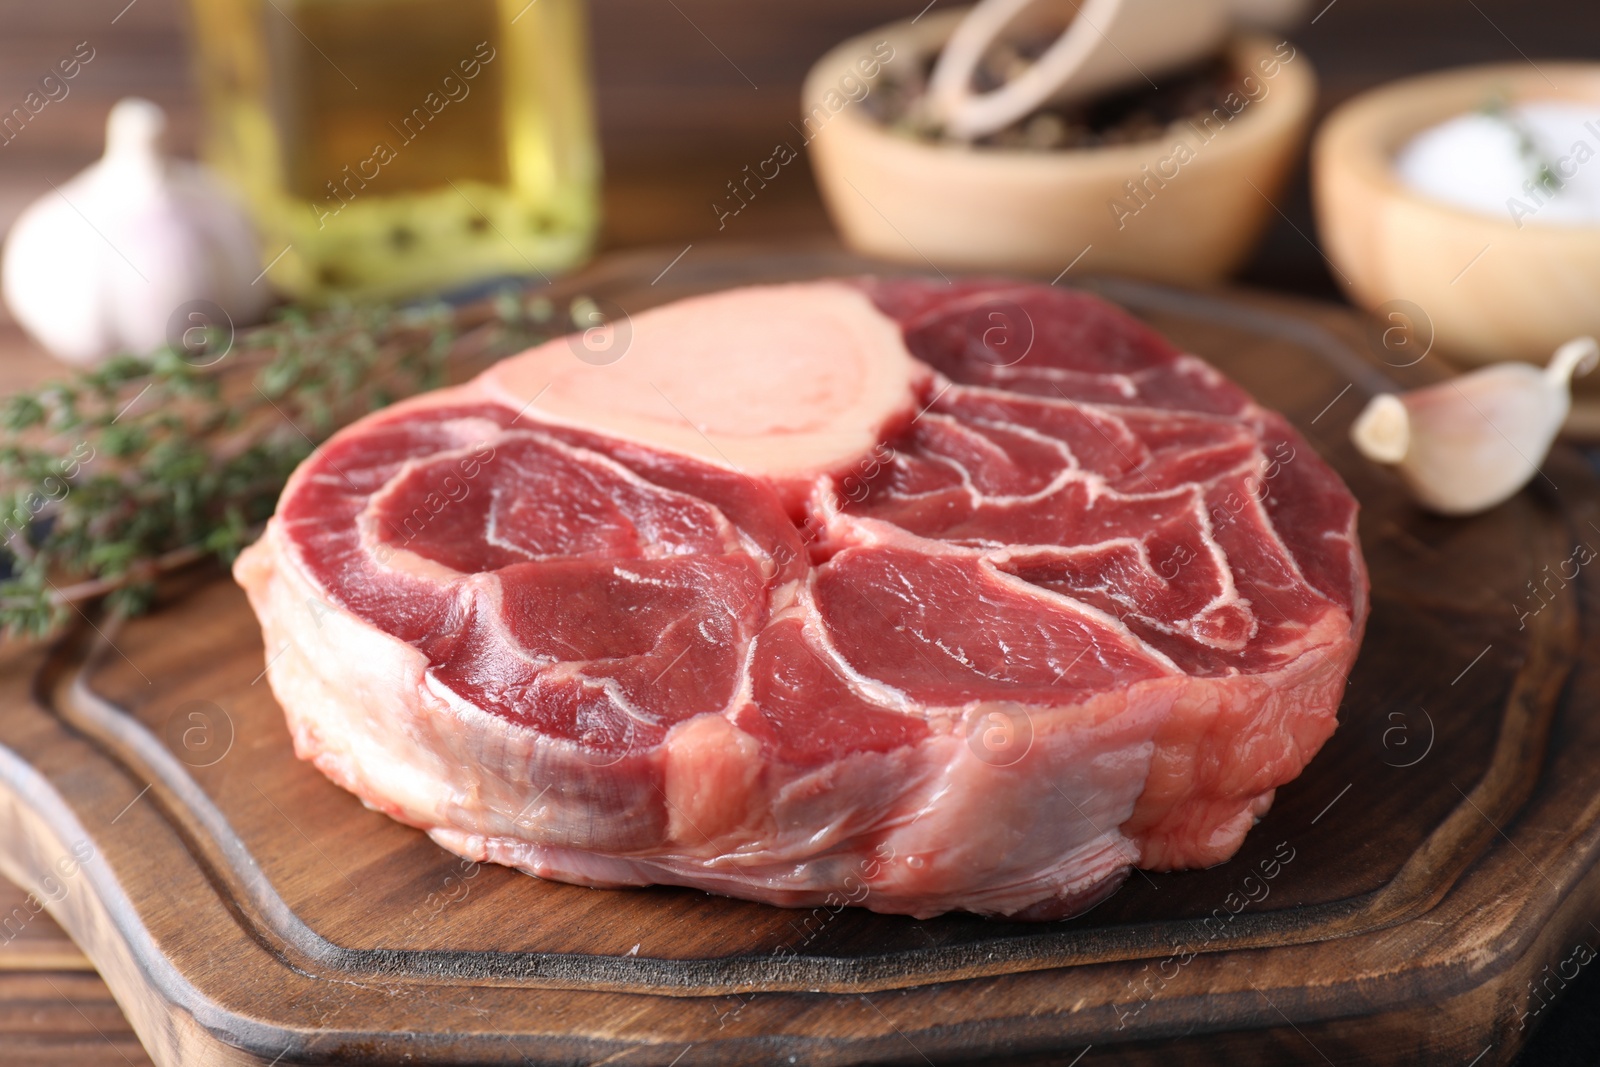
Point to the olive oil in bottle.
(388, 148)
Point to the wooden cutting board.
(1422, 890)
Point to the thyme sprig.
(116, 474)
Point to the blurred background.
(690, 91)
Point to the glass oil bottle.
(390, 148)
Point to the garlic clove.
(108, 261)
(1467, 444)
(1383, 429)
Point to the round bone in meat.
(784, 381)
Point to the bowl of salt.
(1463, 208)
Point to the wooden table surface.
(689, 92)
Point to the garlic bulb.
(1467, 444)
(115, 259)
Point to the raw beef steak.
(979, 629)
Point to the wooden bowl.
(1185, 207)
(1491, 290)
